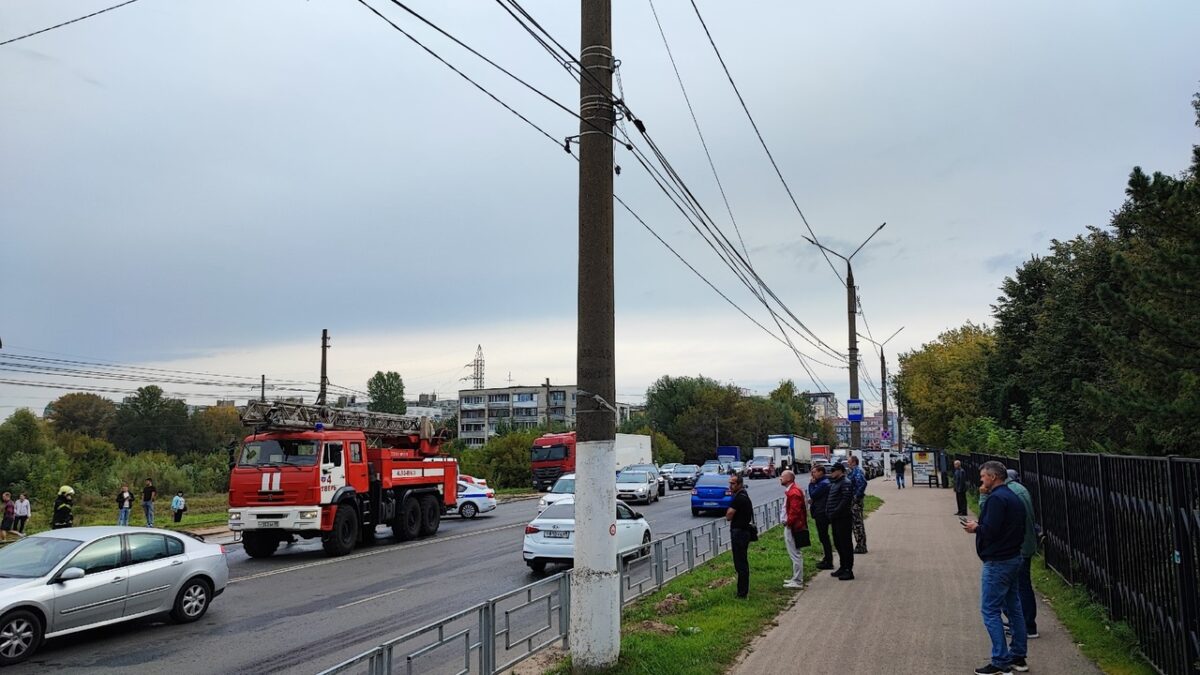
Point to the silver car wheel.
(16, 638)
(194, 599)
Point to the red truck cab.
(551, 456)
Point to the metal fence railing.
(497, 634)
(1127, 529)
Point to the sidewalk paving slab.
(913, 607)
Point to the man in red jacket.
(795, 532)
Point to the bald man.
(795, 534)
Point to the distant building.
(482, 411)
(870, 430)
(825, 404)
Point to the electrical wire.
(66, 23)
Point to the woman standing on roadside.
(8, 523)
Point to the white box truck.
(632, 449)
(797, 450)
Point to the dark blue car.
(711, 493)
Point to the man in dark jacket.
(960, 488)
(741, 517)
(838, 507)
(999, 534)
(818, 494)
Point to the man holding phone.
(999, 534)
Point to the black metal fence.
(1128, 530)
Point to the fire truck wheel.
(408, 522)
(468, 511)
(259, 545)
(431, 515)
(340, 540)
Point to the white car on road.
(550, 537)
(474, 499)
(564, 489)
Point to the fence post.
(716, 539)
(1185, 581)
(1066, 499)
(487, 638)
(1111, 560)
(689, 550)
(1037, 464)
(564, 603)
(660, 564)
(387, 660)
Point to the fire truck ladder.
(278, 415)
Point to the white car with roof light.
(550, 537)
(474, 499)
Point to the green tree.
(387, 393)
(214, 428)
(83, 413)
(148, 420)
(943, 380)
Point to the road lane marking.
(373, 597)
(376, 551)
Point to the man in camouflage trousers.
(859, 480)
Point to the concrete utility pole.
(324, 376)
(263, 389)
(595, 636)
(547, 405)
(852, 312)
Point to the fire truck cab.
(311, 471)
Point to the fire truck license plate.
(268, 523)
(558, 535)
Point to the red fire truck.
(310, 471)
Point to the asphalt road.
(300, 611)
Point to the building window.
(471, 400)
(524, 397)
(497, 398)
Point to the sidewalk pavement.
(912, 608)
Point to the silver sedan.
(63, 581)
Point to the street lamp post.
(883, 374)
(851, 312)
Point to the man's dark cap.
(837, 466)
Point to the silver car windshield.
(633, 477)
(34, 557)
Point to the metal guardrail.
(495, 635)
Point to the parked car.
(472, 479)
(761, 467)
(712, 466)
(683, 476)
(474, 499)
(650, 468)
(564, 489)
(550, 537)
(711, 494)
(64, 581)
(637, 486)
(738, 468)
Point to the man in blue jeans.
(999, 534)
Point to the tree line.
(1095, 347)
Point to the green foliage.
(387, 393)
(150, 421)
(944, 380)
(83, 413)
(503, 461)
(213, 429)
(662, 449)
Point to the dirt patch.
(657, 627)
(539, 662)
(720, 583)
(670, 604)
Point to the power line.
(66, 23)
(761, 141)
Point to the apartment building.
(482, 411)
(825, 404)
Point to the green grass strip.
(1111, 645)
(695, 626)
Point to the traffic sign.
(885, 444)
(886, 434)
(854, 409)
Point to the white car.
(637, 486)
(564, 489)
(473, 500)
(550, 537)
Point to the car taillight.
(529, 529)
(491, 495)
(223, 551)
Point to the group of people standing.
(16, 514)
(835, 499)
(1006, 541)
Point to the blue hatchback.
(711, 493)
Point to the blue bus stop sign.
(854, 409)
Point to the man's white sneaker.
(792, 584)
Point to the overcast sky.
(206, 185)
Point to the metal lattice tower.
(476, 367)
